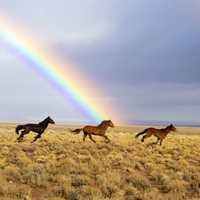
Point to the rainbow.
(60, 75)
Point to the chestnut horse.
(159, 133)
(99, 130)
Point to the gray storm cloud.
(143, 54)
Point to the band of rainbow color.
(49, 69)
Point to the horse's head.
(172, 127)
(109, 123)
(49, 120)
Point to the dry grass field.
(61, 167)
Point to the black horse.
(37, 128)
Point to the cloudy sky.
(143, 55)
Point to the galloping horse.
(37, 128)
(159, 133)
(99, 130)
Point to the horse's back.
(94, 130)
(151, 130)
(89, 128)
(159, 133)
(30, 127)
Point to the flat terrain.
(61, 167)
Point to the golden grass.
(61, 167)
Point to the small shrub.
(72, 195)
(138, 181)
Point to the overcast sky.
(143, 54)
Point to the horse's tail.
(141, 133)
(76, 131)
(18, 128)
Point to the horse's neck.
(44, 123)
(167, 130)
(103, 126)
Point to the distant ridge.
(164, 123)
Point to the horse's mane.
(44, 121)
(104, 122)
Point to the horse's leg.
(37, 137)
(21, 137)
(161, 140)
(90, 136)
(84, 136)
(145, 136)
(106, 137)
(158, 139)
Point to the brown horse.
(37, 128)
(99, 130)
(159, 133)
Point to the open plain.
(60, 166)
